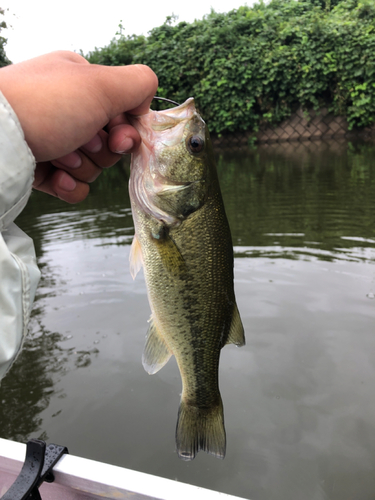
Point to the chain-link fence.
(300, 126)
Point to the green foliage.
(120, 51)
(258, 64)
(4, 61)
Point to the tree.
(4, 61)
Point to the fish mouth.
(170, 118)
(188, 104)
(169, 123)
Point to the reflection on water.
(299, 398)
(301, 195)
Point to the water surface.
(299, 398)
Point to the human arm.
(55, 105)
(63, 103)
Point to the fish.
(183, 241)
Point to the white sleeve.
(19, 274)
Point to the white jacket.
(19, 274)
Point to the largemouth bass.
(183, 241)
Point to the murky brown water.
(299, 398)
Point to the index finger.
(122, 138)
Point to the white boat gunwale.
(85, 478)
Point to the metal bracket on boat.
(39, 462)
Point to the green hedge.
(258, 64)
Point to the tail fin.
(200, 429)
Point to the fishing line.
(166, 100)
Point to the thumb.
(127, 88)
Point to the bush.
(258, 64)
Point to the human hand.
(63, 103)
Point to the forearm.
(19, 274)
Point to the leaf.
(242, 64)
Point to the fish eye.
(195, 144)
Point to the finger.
(123, 139)
(127, 88)
(120, 119)
(68, 189)
(84, 169)
(98, 151)
(60, 184)
(87, 166)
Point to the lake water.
(299, 398)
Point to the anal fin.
(156, 353)
(236, 333)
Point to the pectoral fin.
(135, 257)
(156, 352)
(170, 255)
(236, 333)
